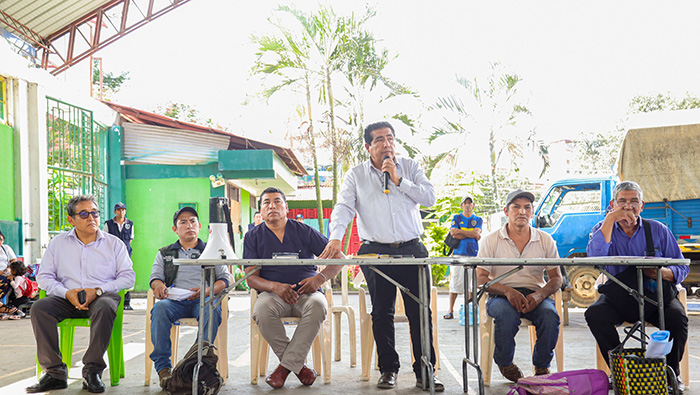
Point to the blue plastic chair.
(115, 350)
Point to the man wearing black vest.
(170, 284)
(123, 228)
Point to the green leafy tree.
(662, 102)
(598, 152)
(111, 83)
(187, 113)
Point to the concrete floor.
(17, 346)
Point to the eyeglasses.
(86, 214)
(633, 203)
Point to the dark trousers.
(383, 296)
(605, 314)
(14, 301)
(46, 313)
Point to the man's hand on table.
(332, 250)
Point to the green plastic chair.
(115, 350)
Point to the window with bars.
(76, 159)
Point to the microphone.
(386, 178)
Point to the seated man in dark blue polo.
(287, 291)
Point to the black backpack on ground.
(210, 381)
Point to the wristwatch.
(98, 291)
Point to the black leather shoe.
(47, 383)
(439, 386)
(93, 383)
(387, 381)
(679, 384)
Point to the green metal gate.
(76, 159)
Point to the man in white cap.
(466, 227)
(525, 294)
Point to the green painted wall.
(246, 218)
(7, 173)
(151, 205)
(115, 170)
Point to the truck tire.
(582, 279)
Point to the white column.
(38, 174)
(32, 204)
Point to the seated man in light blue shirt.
(87, 260)
(165, 275)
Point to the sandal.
(448, 316)
(7, 310)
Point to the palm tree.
(493, 108)
(364, 71)
(291, 61)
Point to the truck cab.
(568, 211)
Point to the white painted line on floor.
(242, 360)
(444, 362)
(75, 373)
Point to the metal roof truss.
(89, 31)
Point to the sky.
(580, 62)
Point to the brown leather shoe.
(387, 380)
(512, 372)
(541, 371)
(278, 377)
(306, 375)
(164, 374)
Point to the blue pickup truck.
(669, 178)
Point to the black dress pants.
(46, 313)
(605, 314)
(383, 296)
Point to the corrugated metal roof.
(46, 17)
(235, 142)
(145, 144)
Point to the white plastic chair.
(486, 329)
(367, 336)
(684, 364)
(320, 349)
(220, 342)
(337, 312)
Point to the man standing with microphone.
(386, 192)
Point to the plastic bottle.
(461, 314)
